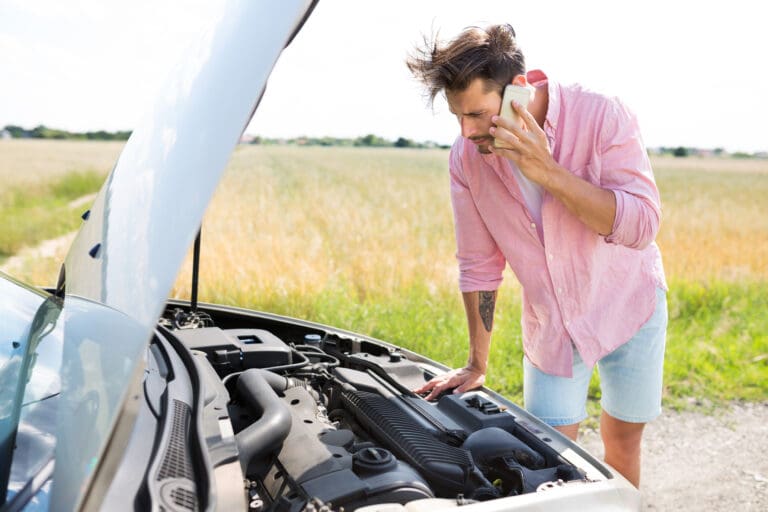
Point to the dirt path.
(693, 461)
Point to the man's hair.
(491, 54)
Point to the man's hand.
(463, 379)
(528, 145)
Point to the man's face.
(473, 107)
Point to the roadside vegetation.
(44, 184)
(36, 213)
(362, 238)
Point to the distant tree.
(680, 151)
(17, 132)
(38, 132)
(99, 135)
(402, 142)
(372, 140)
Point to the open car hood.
(146, 215)
(143, 221)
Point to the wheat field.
(298, 220)
(291, 219)
(28, 162)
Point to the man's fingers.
(467, 386)
(437, 390)
(426, 387)
(527, 117)
(504, 122)
(506, 137)
(459, 380)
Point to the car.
(114, 397)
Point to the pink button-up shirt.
(578, 286)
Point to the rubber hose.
(266, 435)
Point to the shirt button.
(550, 257)
(533, 225)
(559, 290)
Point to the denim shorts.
(630, 379)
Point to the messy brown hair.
(491, 54)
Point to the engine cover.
(325, 463)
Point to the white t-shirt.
(532, 193)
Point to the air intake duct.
(449, 470)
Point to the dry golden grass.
(39, 265)
(710, 164)
(27, 162)
(289, 220)
(715, 219)
(303, 220)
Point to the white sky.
(695, 72)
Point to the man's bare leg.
(622, 442)
(571, 431)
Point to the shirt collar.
(537, 77)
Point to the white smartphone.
(519, 94)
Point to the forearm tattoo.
(487, 304)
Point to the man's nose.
(468, 127)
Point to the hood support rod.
(195, 270)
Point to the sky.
(693, 72)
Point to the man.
(573, 208)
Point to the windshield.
(30, 359)
(64, 370)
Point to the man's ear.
(520, 80)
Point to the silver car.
(112, 397)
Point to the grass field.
(363, 239)
(43, 183)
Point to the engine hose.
(266, 435)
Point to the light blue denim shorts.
(630, 379)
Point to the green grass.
(717, 340)
(38, 212)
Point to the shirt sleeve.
(626, 171)
(481, 262)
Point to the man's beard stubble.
(483, 148)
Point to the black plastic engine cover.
(231, 350)
(317, 457)
(449, 470)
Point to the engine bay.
(326, 420)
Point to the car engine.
(326, 419)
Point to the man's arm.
(479, 307)
(592, 205)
